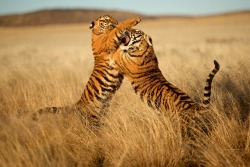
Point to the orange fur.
(137, 61)
(105, 79)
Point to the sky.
(148, 7)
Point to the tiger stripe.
(207, 89)
(137, 61)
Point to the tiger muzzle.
(125, 38)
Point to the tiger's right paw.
(137, 20)
(132, 21)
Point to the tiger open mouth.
(125, 39)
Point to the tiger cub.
(137, 61)
(105, 79)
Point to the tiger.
(105, 79)
(137, 61)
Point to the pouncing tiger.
(105, 79)
(138, 62)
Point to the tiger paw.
(137, 20)
(131, 22)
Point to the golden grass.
(50, 65)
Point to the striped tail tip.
(217, 65)
(207, 90)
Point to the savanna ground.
(50, 65)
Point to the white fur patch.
(124, 47)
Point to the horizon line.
(122, 10)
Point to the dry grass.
(49, 66)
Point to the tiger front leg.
(129, 23)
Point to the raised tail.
(207, 90)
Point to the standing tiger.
(137, 61)
(105, 79)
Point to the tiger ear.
(92, 24)
(149, 40)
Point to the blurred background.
(46, 60)
(29, 12)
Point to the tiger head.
(135, 54)
(103, 24)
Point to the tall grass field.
(50, 66)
